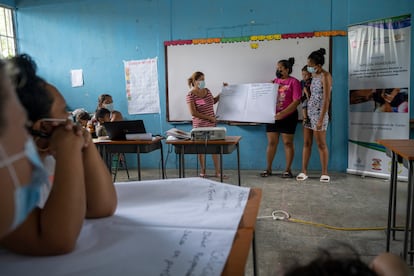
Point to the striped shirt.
(203, 105)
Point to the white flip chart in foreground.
(170, 227)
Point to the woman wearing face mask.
(286, 118)
(200, 102)
(105, 101)
(21, 171)
(79, 184)
(318, 106)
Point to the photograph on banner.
(379, 100)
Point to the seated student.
(102, 115)
(21, 171)
(82, 118)
(105, 101)
(80, 184)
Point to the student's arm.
(101, 199)
(54, 229)
(116, 116)
(326, 97)
(195, 113)
(288, 110)
(388, 264)
(216, 98)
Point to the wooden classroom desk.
(109, 147)
(236, 262)
(400, 150)
(226, 146)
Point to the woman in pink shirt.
(288, 97)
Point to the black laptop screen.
(117, 130)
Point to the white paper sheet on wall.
(141, 79)
(161, 227)
(76, 77)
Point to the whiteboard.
(232, 63)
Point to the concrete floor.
(348, 201)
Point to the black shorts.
(286, 125)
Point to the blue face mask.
(201, 84)
(109, 106)
(311, 69)
(27, 196)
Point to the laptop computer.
(118, 129)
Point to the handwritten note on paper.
(161, 227)
(206, 256)
(252, 102)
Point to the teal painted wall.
(9, 3)
(97, 35)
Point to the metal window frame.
(10, 31)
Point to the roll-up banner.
(379, 87)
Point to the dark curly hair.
(31, 89)
(347, 263)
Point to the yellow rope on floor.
(335, 227)
(285, 216)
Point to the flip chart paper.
(252, 102)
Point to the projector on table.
(208, 133)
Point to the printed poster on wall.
(141, 78)
(379, 87)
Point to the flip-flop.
(325, 178)
(265, 173)
(287, 174)
(301, 177)
(203, 175)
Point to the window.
(7, 39)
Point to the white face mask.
(311, 69)
(109, 106)
(27, 196)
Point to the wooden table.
(400, 150)
(225, 146)
(109, 147)
(239, 253)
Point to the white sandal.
(325, 178)
(301, 177)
